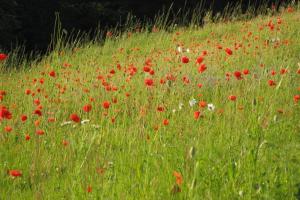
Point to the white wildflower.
(174, 110)
(180, 106)
(179, 49)
(192, 102)
(85, 121)
(66, 123)
(211, 107)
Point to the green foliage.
(246, 149)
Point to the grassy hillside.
(194, 113)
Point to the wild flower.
(193, 102)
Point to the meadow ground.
(194, 113)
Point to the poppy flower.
(27, 91)
(2, 93)
(87, 108)
(23, 118)
(202, 68)
(152, 72)
(36, 102)
(52, 73)
(202, 104)
(179, 179)
(160, 109)
(196, 114)
(147, 68)
(40, 132)
(228, 51)
(271, 83)
(232, 97)
(65, 143)
(273, 72)
(106, 104)
(51, 119)
(3, 56)
(185, 60)
(37, 112)
(199, 85)
(4, 113)
(283, 71)
(75, 118)
(15, 173)
(7, 129)
(149, 82)
(296, 98)
(27, 137)
(238, 75)
(166, 122)
(246, 71)
(89, 189)
(200, 60)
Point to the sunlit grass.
(242, 149)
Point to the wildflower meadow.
(196, 112)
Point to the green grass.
(246, 149)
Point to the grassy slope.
(245, 149)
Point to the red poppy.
(51, 119)
(296, 98)
(37, 112)
(166, 122)
(8, 129)
(232, 97)
(228, 51)
(2, 92)
(283, 71)
(200, 59)
(246, 71)
(52, 73)
(3, 56)
(273, 72)
(147, 68)
(202, 104)
(65, 143)
(4, 113)
(75, 118)
(152, 72)
(202, 68)
(149, 82)
(15, 173)
(23, 118)
(40, 132)
(160, 109)
(179, 179)
(238, 75)
(27, 137)
(271, 83)
(196, 114)
(87, 108)
(36, 102)
(89, 189)
(106, 104)
(185, 60)
(27, 91)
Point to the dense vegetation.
(191, 112)
(31, 22)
